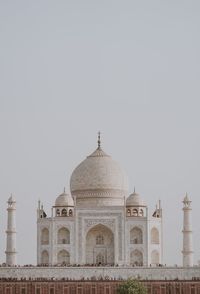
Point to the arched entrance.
(100, 245)
(136, 258)
(45, 257)
(63, 257)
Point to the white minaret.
(11, 254)
(187, 233)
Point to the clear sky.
(71, 68)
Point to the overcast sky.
(71, 68)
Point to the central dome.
(99, 180)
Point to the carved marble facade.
(98, 223)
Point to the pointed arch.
(64, 212)
(136, 258)
(154, 236)
(63, 257)
(141, 212)
(45, 236)
(136, 236)
(45, 257)
(135, 212)
(70, 212)
(128, 212)
(63, 236)
(100, 245)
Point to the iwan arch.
(99, 246)
(99, 222)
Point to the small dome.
(64, 200)
(135, 200)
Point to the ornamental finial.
(186, 200)
(99, 140)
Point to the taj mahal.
(100, 222)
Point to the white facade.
(99, 223)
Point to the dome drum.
(64, 212)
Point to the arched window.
(128, 212)
(63, 257)
(155, 257)
(135, 212)
(64, 212)
(57, 212)
(136, 236)
(63, 236)
(100, 259)
(141, 212)
(45, 257)
(70, 212)
(136, 258)
(154, 236)
(45, 236)
(99, 240)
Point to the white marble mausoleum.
(99, 222)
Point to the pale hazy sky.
(71, 68)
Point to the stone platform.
(88, 273)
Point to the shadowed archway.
(100, 245)
(136, 258)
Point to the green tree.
(131, 286)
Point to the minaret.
(187, 233)
(11, 254)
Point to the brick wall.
(10, 286)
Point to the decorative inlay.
(107, 222)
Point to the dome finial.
(99, 140)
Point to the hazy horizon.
(130, 69)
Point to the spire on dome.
(99, 140)
(99, 152)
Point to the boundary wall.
(94, 287)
